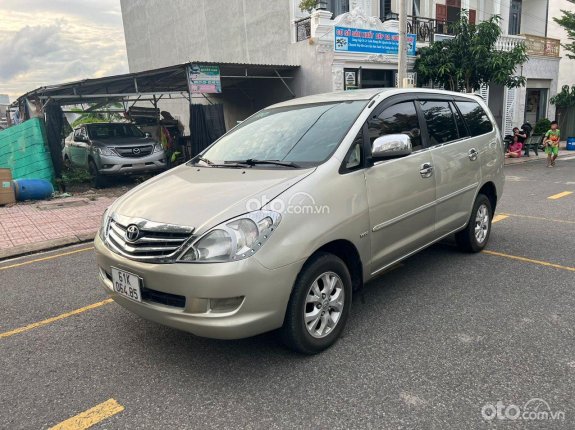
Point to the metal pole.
(402, 54)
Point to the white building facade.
(554, 30)
(165, 33)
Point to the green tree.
(567, 21)
(471, 59)
(565, 98)
(307, 5)
(87, 117)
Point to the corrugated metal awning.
(151, 83)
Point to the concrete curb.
(30, 248)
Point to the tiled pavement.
(25, 224)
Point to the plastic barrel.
(570, 144)
(32, 189)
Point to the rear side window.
(475, 117)
(440, 122)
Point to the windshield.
(108, 131)
(303, 134)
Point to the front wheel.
(474, 237)
(95, 178)
(319, 305)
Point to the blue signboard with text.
(370, 41)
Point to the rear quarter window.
(477, 121)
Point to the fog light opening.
(225, 305)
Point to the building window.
(515, 17)
(385, 9)
(416, 8)
(337, 7)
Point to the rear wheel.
(319, 305)
(476, 235)
(96, 179)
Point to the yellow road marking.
(90, 417)
(540, 218)
(54, 319)
(529, 260)
(558, 196)
(499, 217)
(46, 258)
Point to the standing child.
(552, 138)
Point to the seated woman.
(515, 148)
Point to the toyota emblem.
(136, 150)
(132, 233)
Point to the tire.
(97, 180)
(67, 162)
(316, 335)
(474, 237)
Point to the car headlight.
(104, 150)
(104, 225)
(233, 240)
(158, 147)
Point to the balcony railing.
(507, 43)
(303, 29)
(538, 45)
(423, 28)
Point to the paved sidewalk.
(542, 156)
(35, 226)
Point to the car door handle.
(426, 170)
(472, 154)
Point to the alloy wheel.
(481, 224)
(324, 304)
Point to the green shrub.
(307, 5)
(75, 175)
(542, 126)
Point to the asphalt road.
(433, 344)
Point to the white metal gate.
(508, 114)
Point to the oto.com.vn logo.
(533, 410)
(301, 203)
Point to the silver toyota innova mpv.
(277, 223)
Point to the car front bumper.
(265, 293)
(116, 165)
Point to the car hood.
(202, 197)
(120, 141)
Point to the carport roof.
(155, 82)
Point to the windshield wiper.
(205, 160)
(253, 162)
(212, 164)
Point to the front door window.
(400, 118)
(535, 105)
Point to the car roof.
(365, 94)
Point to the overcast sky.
(52, 41)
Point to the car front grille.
(154, 243)
(134, 151)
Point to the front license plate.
(139, 165)
(127, 284)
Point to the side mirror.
(148, 135)
(391, 146)
(79, 139)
